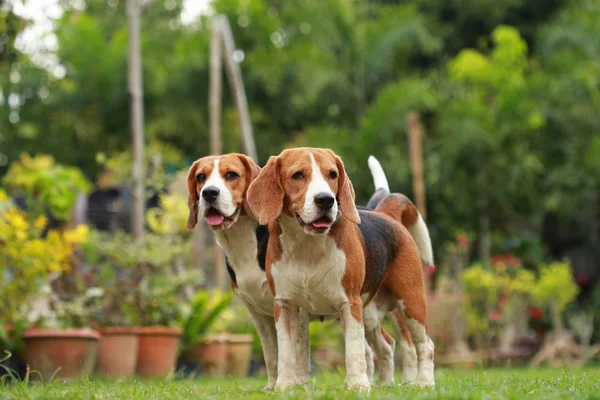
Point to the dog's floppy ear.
(192, 196)
(265, 195)
(252, 171)
(346, 194)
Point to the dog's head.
(308, 184)
(217, 188)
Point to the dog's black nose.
(210, 193)
(324, 201)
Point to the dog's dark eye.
(231, 176)
(298, 176)
(200, 178)
(332, 175)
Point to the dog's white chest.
(240, 246)
(310, 275)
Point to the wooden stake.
(215, 96)
(237, 87)
(136, 96)
(216, 144)
(416, 160)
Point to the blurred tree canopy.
(509, 94)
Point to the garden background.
(508, 99)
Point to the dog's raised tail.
(379, 178)
(382, 188)
(399, 207)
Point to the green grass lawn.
(451, 384)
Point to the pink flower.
(495, 315)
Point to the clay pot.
(157, 350)
(64, 353)
(239, 354)
(117, 352)
(212, 354)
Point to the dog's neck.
(295, 239)
(239, 243)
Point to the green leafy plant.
(555, 289)
(46, 185)
(206, 308)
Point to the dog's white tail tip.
(379, 178)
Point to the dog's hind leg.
(382, 343)
(408, 353)
(423, 344)
(369, 355)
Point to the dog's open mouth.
(215, 219)
(319, 225)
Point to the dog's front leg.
(265, 326)
(303, 348)
(286, 321)
(354, 336)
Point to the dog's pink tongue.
(321, 223)
(214, 219)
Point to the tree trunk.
(485, 241)
(136, 96)
(556, 319)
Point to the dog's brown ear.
(265, 195)
(345, 195)
(192, 196)
(252, 171)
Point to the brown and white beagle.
(217, 188)
(329, 258)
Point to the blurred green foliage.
(509, 94)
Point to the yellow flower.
(77, 235)
(16, 219)
(3, 196)
(40, 223)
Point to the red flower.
(583, 279)
(495, 315)
(536, 313)
(513, 261)
(497, 260)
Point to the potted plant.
(112, 259)
(61, 344)
(243, 342)
(200, 347)
(164, 287)
(30, 258)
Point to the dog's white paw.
(358, 384)
(286, 383)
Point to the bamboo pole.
(136, 96)
(216, 144)
(237, 87)
(416, 160)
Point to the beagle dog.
(217, 187)
(329, 258)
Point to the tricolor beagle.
(326, 257)
(217, 188)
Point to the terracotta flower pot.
(157, 350)
(239, 353)
(66, 353)
(211, 353)
(117, 352)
